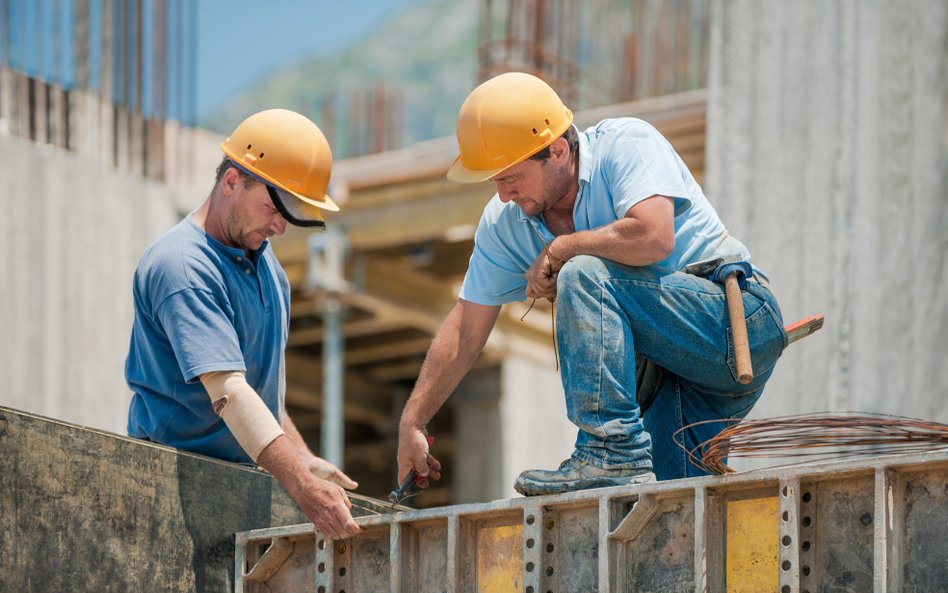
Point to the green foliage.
(427, 54)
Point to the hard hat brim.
(461, 174)
(297, 210)
(324, 203)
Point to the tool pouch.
(648, 380)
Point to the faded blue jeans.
(605, 312)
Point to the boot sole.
(530, 488)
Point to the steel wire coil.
(819, 437)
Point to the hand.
(413, 453)
(541, 277)
(327, 506)
(321, 468)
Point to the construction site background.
(822, 132)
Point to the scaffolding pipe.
(332, 428)
(327, 253)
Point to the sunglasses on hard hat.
(294, 210)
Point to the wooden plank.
(307, 372)
(308, 398)
(382, 352)
(352, 329)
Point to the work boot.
(574, 474)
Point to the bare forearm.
(323, 502)
(626, 241)
(644, 236)
(293, 434)
(281, 459)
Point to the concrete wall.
(71, 234)
(827, 134)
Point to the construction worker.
(206, 361)
(602, 222)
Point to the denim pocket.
(766, 337)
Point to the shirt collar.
(227, 249)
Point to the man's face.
(534, 186)
(253, 218)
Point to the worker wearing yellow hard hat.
(503, 122)
(206, 361)
(290, 155)
(604, 222)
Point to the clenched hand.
(541, 277)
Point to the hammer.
(731, 269)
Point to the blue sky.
(239, 41)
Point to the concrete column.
(72, 235)
(827, 156)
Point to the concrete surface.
(87, 510)
(827, 135)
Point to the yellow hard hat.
(288, 151)
(503, 122)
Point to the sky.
(239, 41)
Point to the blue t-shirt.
(621, 162)
(201, 306)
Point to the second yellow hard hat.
(503, 122)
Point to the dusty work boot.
(574, 474)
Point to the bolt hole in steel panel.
(362, 563)
(839, 556)
(498, 547)
(569, 560)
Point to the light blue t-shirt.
(201, 306)
(621, 162)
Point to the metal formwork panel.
(876, 525)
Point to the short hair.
(572, 139)
(226, 163)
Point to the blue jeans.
(605, 312)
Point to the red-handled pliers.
(411, 485)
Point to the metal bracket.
(632, 524)
(271, 561)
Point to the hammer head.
(707, 267)
(719, 268)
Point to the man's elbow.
(663, 244)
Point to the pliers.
(410, 486)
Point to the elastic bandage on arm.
(244, 413)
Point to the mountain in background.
(425, 57)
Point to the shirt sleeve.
(494, 276)
(201, 332)
(638, 163)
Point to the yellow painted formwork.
(875, 525)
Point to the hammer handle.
(735, 309)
